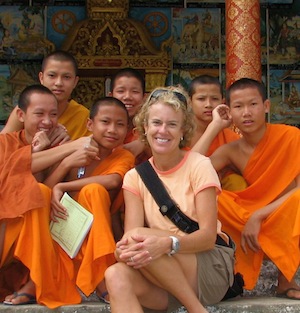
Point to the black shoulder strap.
(154, 185)
(166, 205)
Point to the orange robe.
(229, 179)
(25, 209)
(20, 191)
(97, 251)
(224, 136)
(272, 167)
(75, 118)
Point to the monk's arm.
(109, 182)
(264, 212)
(221, 157)
(135, 147)
(44, 159)
(252, 227)
(13, 123)
(56, 174)
(221, 120)
(204, 142)
(79, 158)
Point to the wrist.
(65, 166)
(258, 216)
(214, 127)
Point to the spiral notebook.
(70, 233)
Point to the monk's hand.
(221, 116)
(80, 158)
(40, 141)
(59, 135)
(88, 146)
(57, 209)
(250, 234)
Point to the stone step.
(259, 300)
(241, 305)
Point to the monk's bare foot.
(26, 295)
(286, 289)
(290, 293)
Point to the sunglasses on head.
(157, 93)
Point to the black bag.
(237, 287)
(169, 208)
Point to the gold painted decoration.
(108, 40)
(243, 47)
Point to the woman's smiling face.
(164, 128)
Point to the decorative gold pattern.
(243, 52)
(108, 40)
(97, 8)
(88, 90)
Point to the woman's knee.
(117, 277)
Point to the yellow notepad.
(70, 233)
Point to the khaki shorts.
(215, 275)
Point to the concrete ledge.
(90, 307)
(257, 305)
(259, 300)
(240, 305)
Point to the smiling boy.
(128, 85)
(95, 187)
(59, 74)
(25, 206)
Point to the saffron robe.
(229, 180)
(75, 118)
(225, 136)
(97, 251)
(25, 210)
(20, 191)
(272, 167)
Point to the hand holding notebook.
(70, 233)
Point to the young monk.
(59, 74)
(263, 219)
(25, 240)
(128, 85)
(95, 187)
(206, 94)
(156, 257)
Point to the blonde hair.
(175, 97)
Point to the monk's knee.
(234, 182)
(92, 189)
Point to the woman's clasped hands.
(139, 250)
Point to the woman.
(157, 271)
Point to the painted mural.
(196, 35)
(22, 33)
(27, 33)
